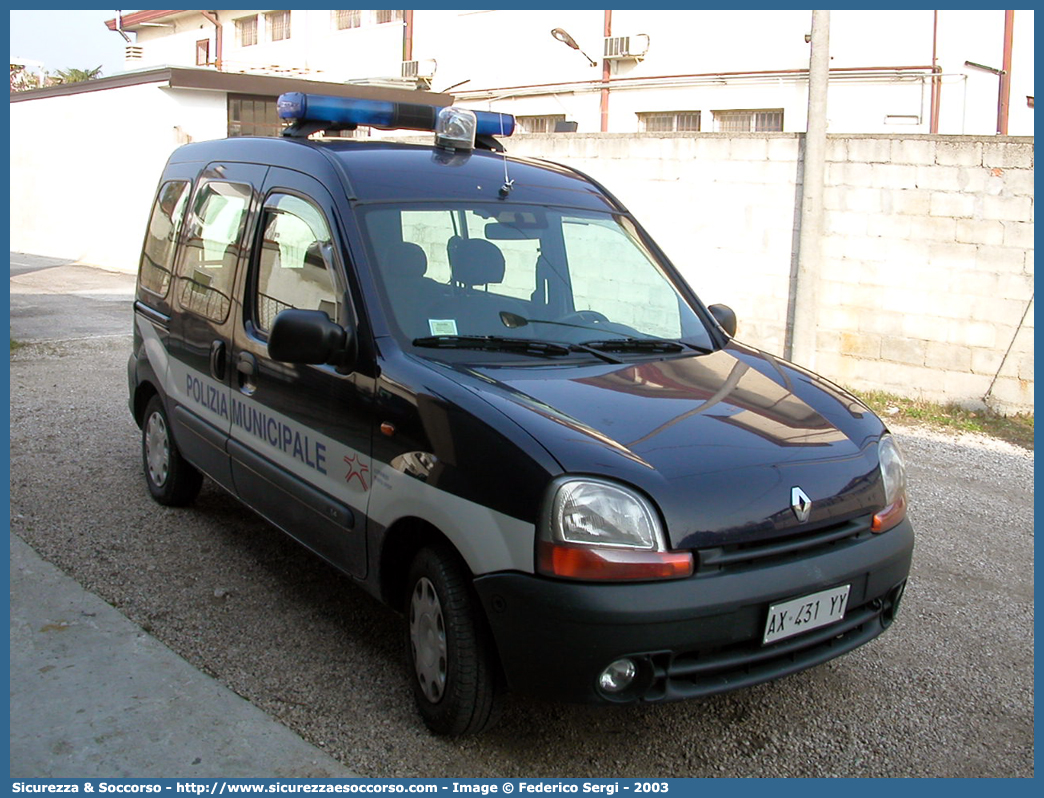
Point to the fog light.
(892, 603)
(618, 676)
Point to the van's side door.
(225, 199)
(300, 434)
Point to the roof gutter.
(195, 78)
(136, 18)
(700, 77)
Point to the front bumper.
(689, 637)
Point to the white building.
(948, 72)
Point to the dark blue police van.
(475, 385)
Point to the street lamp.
(565, 38)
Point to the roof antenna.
(508, 182)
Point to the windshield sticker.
(442, 326)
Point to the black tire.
(172, 480)
(452, 664)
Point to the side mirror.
(307, 336)
(726, 317)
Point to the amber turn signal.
(612, 565)
(890, 515)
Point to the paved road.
(948, 691)
(57, 299)
(92, 694)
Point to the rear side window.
(157, 255)
(294, 268)
(212, 247)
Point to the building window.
(538, 124)
(278, 25)
(246, 31)
(203, 52)
(347, 19)
(253, 116)
(765, 120)
(669, 121)
(343, 20)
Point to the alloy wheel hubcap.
(157, 449)
(428, 639)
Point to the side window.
(157, 255)
(212, 246)
(294, 268)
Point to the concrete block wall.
(927, 289)
(722, 207)
(927, 282)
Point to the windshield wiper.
(651, 345)
(523, 346)
(494, 343)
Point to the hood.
(718, 441)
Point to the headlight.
(602, 531)
(893, 476)
(601, 514)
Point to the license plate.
(808, 612)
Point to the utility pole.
(804, 281)
(1005, 75)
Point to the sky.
(67, 39)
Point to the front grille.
(701, 673)
(739, 555)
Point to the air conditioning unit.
(618, 48)
(420, 70)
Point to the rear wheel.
(452, 664)
(172, 480)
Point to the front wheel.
(172, 480)
(451, 661)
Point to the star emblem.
(356, 469)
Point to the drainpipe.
(407, 36)
(936, 76)
(607, 30)
(804, 282)
(212, 18)
(1005, 75)
(119, 27)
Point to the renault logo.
(800, 504)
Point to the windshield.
(525, 272)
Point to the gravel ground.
(947, 691)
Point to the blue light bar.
(491, 123)
(299, 107)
